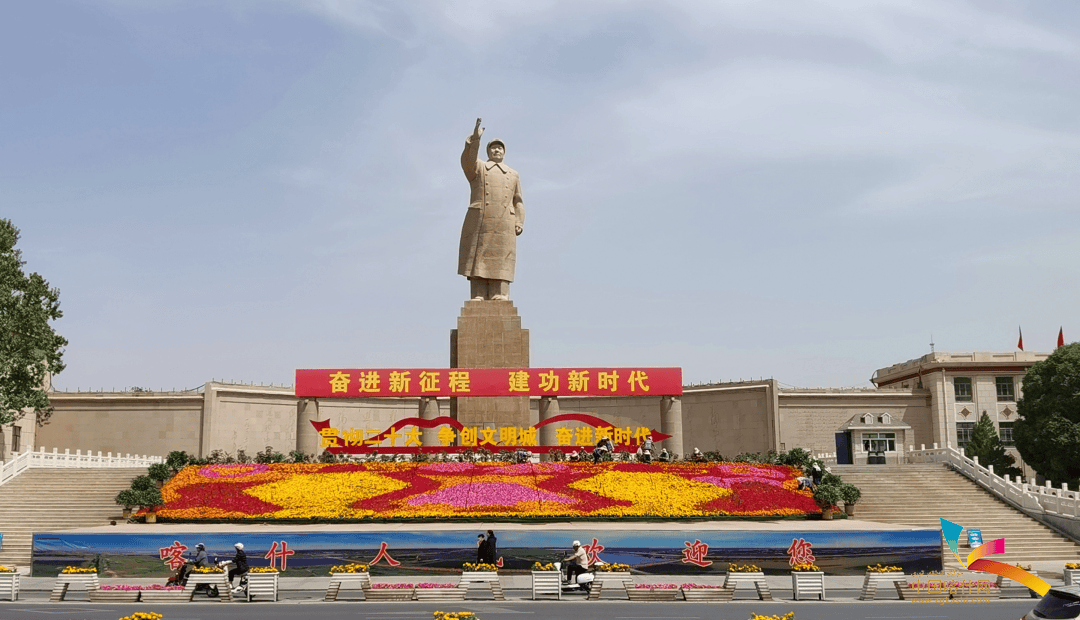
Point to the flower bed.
(350, 568)
(479, 568)
(207, 570)
(75, 570)
(7, 569)
(613, 568)
(427, 586)
(538, 567)
(357, 491)
(263, 569)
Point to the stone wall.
(729, 419)
(152, 423)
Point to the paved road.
(301, 606)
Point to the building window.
(963, 432)
(879, 442)
(885, 418)
(1005, 432)
(1006, 389)
(962, 389)
(16, 436)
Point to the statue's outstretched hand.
(478, 130)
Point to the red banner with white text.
(413, 382)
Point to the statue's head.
(496, 150)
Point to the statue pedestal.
(489, 335)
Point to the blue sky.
(800, 190)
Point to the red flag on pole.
(1061, 337)
(1020, 342)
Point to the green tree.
(29, 348)
(986, 445)
(1047, 430)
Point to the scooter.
(582, 582)
(240, 590)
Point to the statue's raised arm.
(487, 254)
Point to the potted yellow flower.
(877, 575)
(546, 579)
(1072, 573)
(352, 574)
(807, 579)
(748, 574)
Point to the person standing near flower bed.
(481, 549)
(490, 550)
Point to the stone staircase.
(922, 494)
(45, 499)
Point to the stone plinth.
(489, 335)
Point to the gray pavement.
(842, 593)
(314, 609)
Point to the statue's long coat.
(488, 246)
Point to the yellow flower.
(324, 495)
(650, 493)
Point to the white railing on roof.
(79, 459)
(1033, 498)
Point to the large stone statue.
(496, 216)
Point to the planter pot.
(652, 594)
(389, 594)
(9, 586)
(218, 580)
(165, 596)
(151, 517)
(755, 580)
(114, 596)
(127, 513)
(80, 581)
(491, 578)
(806, 583)
(872, 582)
(263, 586)
(827, 514)
(849, 509)
(546, 582)
(1072, 576)
(339, 580)
(707, 595)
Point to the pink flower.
(233, 470)
(487, 494)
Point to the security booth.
(876, 438)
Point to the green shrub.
(177, 460)
(159, 472)
(142, 483)
(827, 495)
(149, 498)
(831, 479)
(298, 456)
(850, 494)
(796, 458)
(127, 498)
(747, 457)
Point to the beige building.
(934, 399)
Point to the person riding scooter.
(240, 567)
(576, 563)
